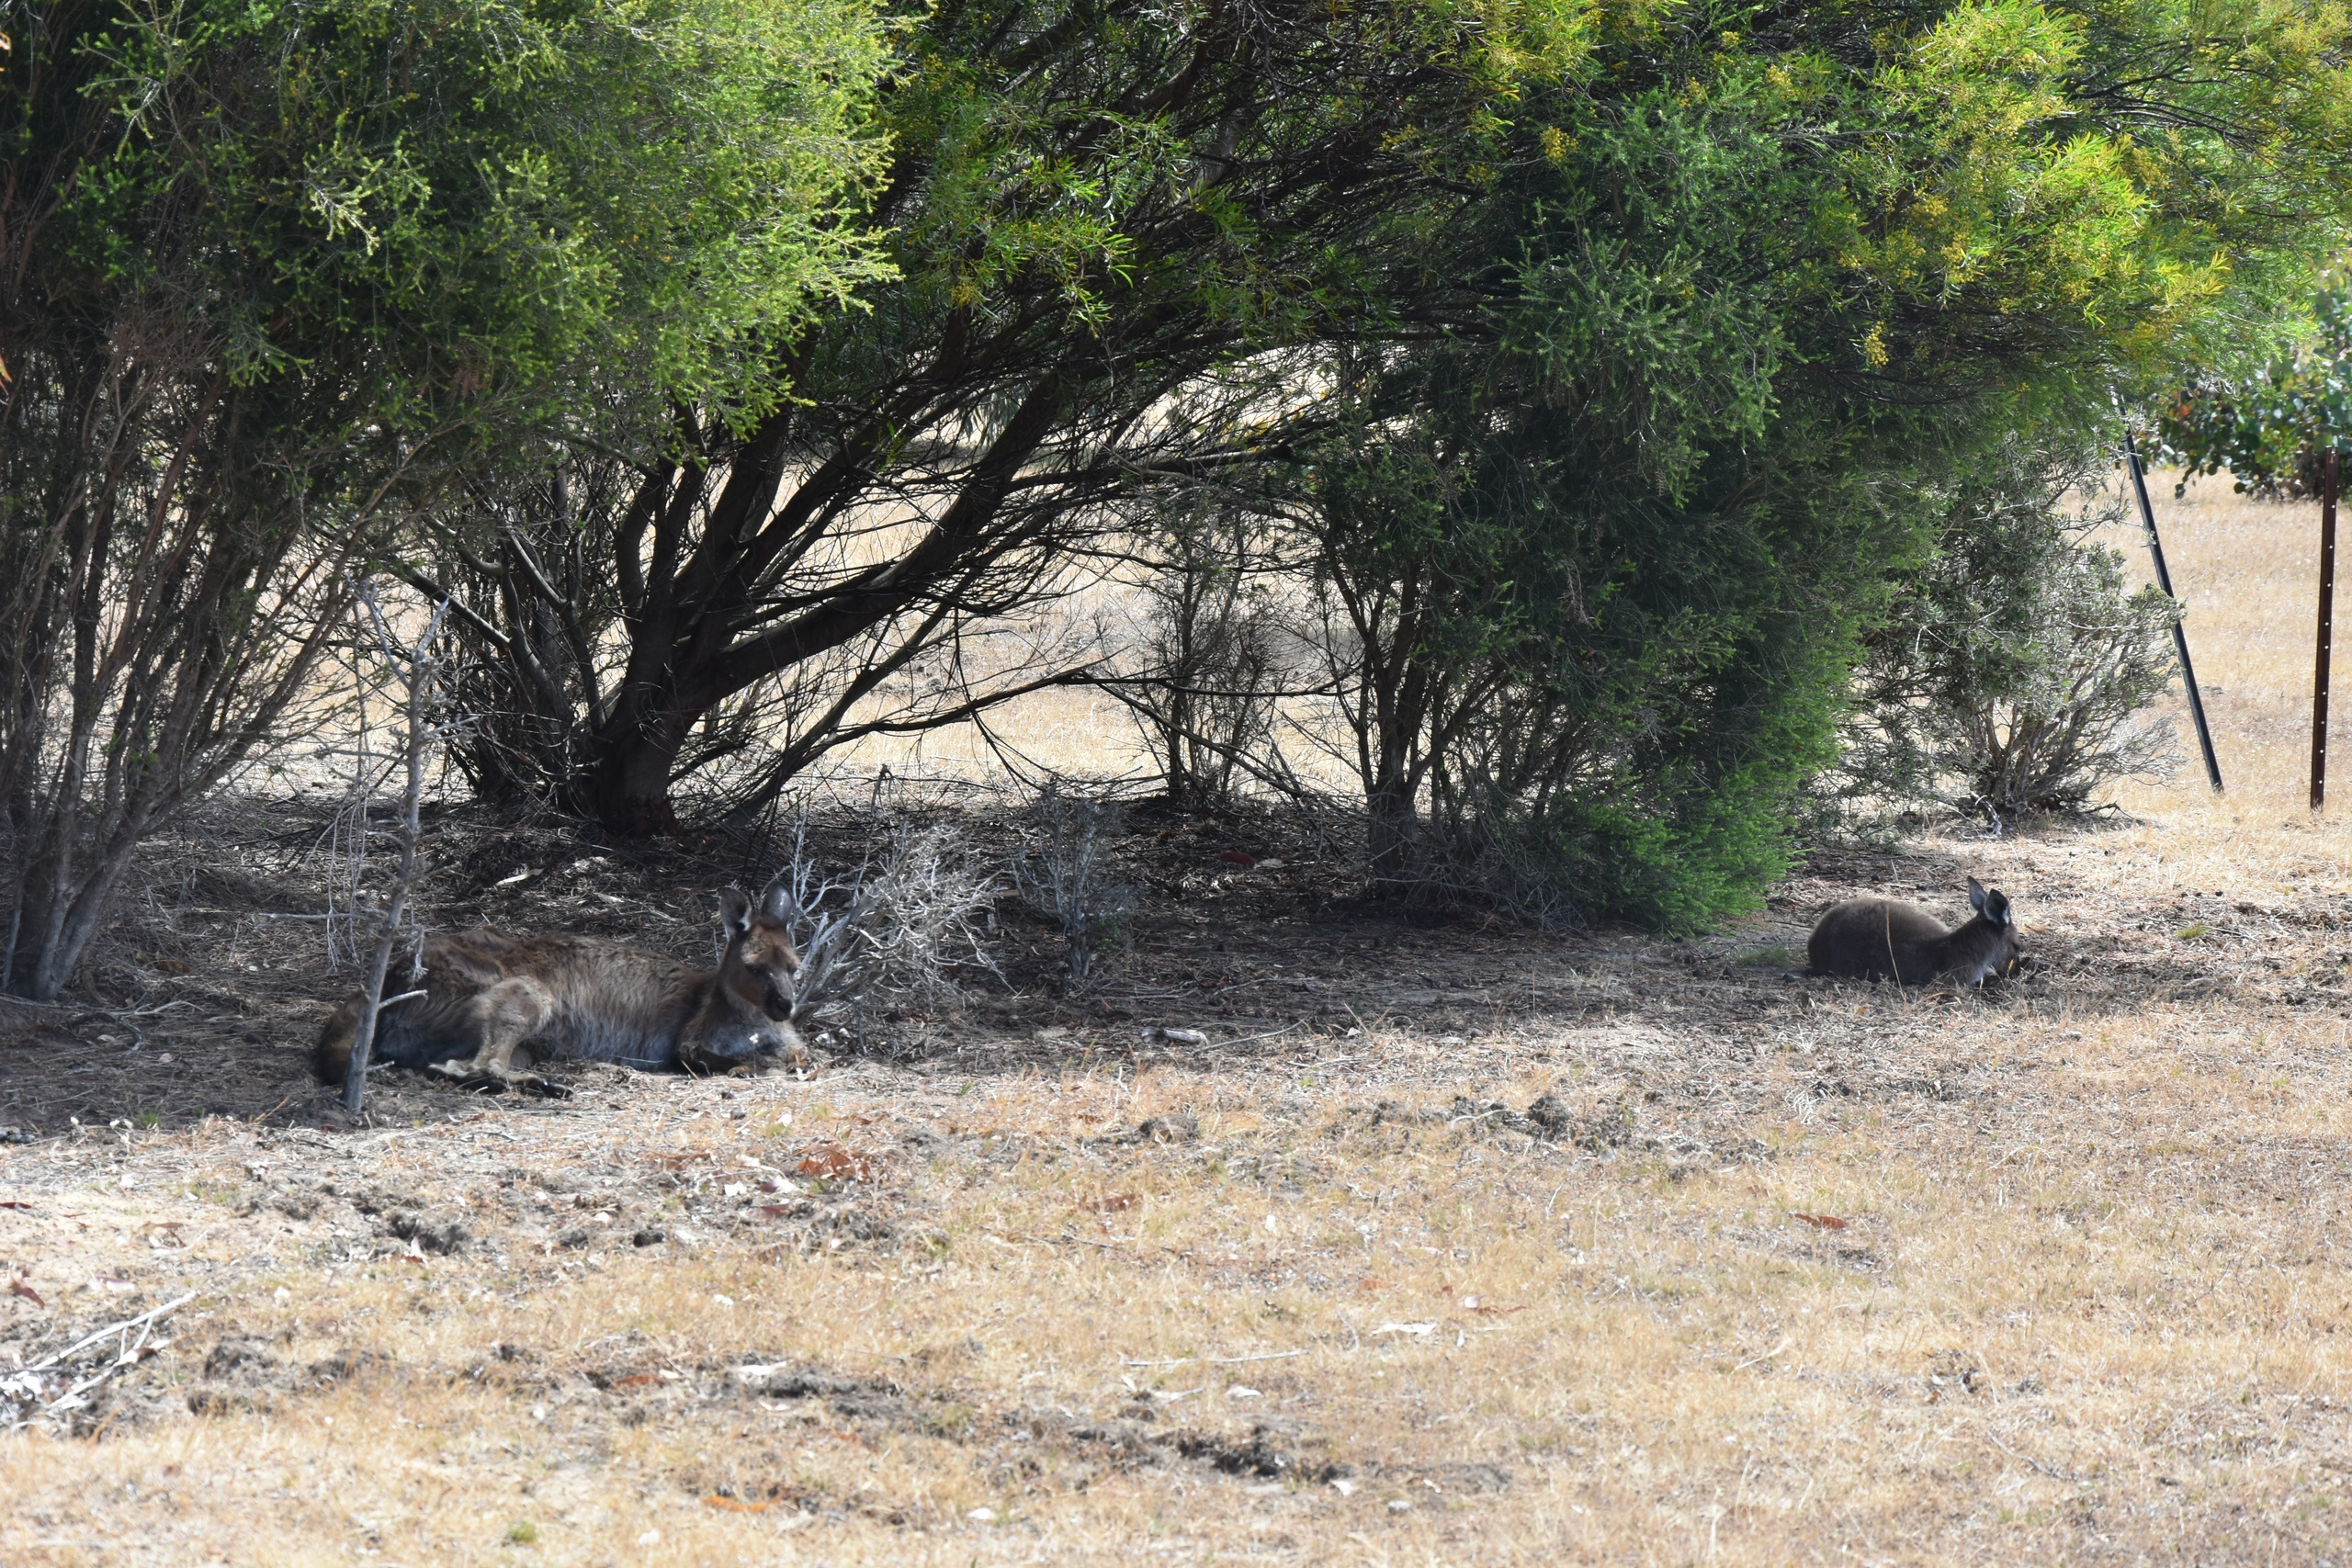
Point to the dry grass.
(2083, 1297)
(2248, 572)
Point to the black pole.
(2179, 633)
(2326, 628)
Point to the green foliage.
(1043, 161)
(2269, 426)
(463, 205)
(2123, 172)
(2015, 670)
(1574, 701)
(1765, 280)
(2015, 207)
(277, 268)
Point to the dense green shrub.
(1569, 699)
(1598, 557)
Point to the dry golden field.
(1451, 1245)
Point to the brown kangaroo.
(586, 999)
(1875, 939)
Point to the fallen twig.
(89, 1339)
(1085, 1241)
(25, 1386)
(2028, 1460)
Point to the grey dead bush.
(1068, 875)
(933, 900)
(902, 929)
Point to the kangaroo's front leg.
(505, 1015)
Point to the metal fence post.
(2326, 627)
(2179, 633)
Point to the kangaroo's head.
(761, 968)
(1993, 939)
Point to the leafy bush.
(2016, 671)
(2269, 426)
(1570, 693)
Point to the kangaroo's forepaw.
(475, 1072)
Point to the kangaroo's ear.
(777, 907)
(1996, 907)
(734, 911)
(1975, 894)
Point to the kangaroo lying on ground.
(584, 999)
(1875, 939)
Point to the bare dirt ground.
(1449, 1244)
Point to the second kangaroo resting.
(1876, 939)
(584, 999)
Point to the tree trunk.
(1396, 693)
(1394, 824)
(628, 791)
(65, 911)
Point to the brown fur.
(1875, 939)
(488, 997)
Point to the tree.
(274, 270)
(1601, 559)
(1130, 239)
(1093, 204)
